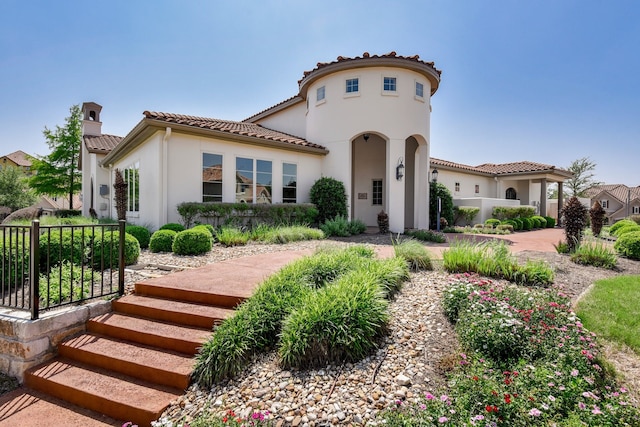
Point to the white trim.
(352, 94)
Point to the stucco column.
(395, 188)
(422, 189)
(543, 197)
(560, 202)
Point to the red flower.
(507, 399)
(491, 408)
(475, 378)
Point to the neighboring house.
(617, 200)
(18, 159)
(505, 184)
(364, 121)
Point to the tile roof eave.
(283, 105)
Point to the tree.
(582, 179)
(436, 191)
(330, 198)
(57, 173)
(14, 190)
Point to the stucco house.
(18, 159)
(364, 121)
(617, 200)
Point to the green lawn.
(612, 310)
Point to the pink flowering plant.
(230, 419)
(530, 362)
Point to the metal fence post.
(121, 228)
(34, 268)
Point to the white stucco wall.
(291, 120)
(91, 169)
(176, 161)
(468, 182)
(486, 206)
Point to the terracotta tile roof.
(500, 168)
(232, 128)
(518, 167)
(366, 55)
(19, 157)
(101, 143)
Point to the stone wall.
(25, 343)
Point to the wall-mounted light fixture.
(366, 137)
(399, 169)
(434, 175)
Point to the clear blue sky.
(547, 80)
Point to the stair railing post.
(121, 228)
(34, 268)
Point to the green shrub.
(14, 262)
(620, 224)
(527, 224)
(207, 227)
(493, 222)
(467, 213)
(356, 226)
(340, 323)
(58, 245)
(415, 254)
(541, 221)
(626, 229)
(479, 226)
(456, 297)
(194, 241)
(596, 254)
(437, 190)
(562, 247)
(629, 245)
(173, 226)
(69, 290)
(505, 227)
(429, 235)
(282, 234)
(511, 212)
(105, 250)
(519, 223)
(162, 241)
(232, 236)
(330, 198)
(339, 227)
(142, 234)
(551, 222)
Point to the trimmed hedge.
(551, 222)
(625, 229)
(493, 222)
(629, 245)
(194, 241)
(56, 247)
(510, 212)
(142, 234)
(229, 213)
(162, 241)
(173, 226)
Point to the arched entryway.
(368, 177)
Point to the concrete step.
(135, 360)
(180, 312)
(116, 395)
(158, 289)
(169, 336)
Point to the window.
(510, 194)
(320, 94)
(604, 204)
(419, 90)
(376, 193)
(636, 210)
(253, 180)
(132, 179)
(352, 85)
(477, 189)
(289, 183)
(389, 84)
(211, 177)
(457, 186)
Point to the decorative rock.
(403, 380)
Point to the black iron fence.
(43, 267)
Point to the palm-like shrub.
(597, 215)
(575, 220)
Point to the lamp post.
(434, 179)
